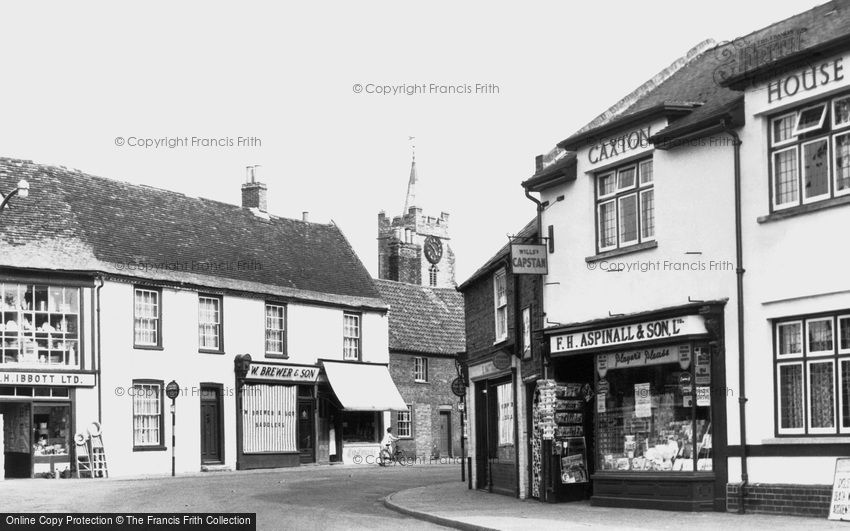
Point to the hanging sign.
(632, 333)
(529, 259)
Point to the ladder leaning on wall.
(91, 454)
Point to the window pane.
(790, 338)
(626, 178)
(786, 185)
(647, 214)
(820, 335)
(646, 172)
(811, 118)
(844, 330)
(628, 219)
(822, 395)
(842, 162)
(841, 111)
(606, 184)
(845, 393)
(607, 225)
(791, 396)
(783, 128)
(815, 169)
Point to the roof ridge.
(630, 99)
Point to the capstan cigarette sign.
(529, 259)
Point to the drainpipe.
(540, 238)
(99, 369)
(739, 272)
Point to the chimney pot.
(305, 216)
(538, 163)
(254, 193)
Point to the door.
(211, 426)
(305, 431)
(445, 434)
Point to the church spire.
(410, 200)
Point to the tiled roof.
(72, 221)
(528, 231)
(424, 319)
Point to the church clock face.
(433, 249)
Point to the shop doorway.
(211, 425)
(306, 446)
(445, 434)
(17, 449)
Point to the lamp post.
(22, 191)
(172, 391)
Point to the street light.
(22, 191)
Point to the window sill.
(148, 347)
(420, 381)
(622, 251)
(809, 439)
(159, 448)
(804, 209)
(277, 356)
(208, 351)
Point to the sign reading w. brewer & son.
(282, 373)
(631, 333)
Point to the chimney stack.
(254, 193)
(305, 216)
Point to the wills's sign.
(529, 260)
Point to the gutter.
(739, 273)
(543, 362)
(99, 369)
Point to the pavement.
(454, 505)
(308, 497)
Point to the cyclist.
(388, 442)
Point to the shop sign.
(806, 80)
(643, 400)
(703, 366)
(268, 418)
(703, 396)
(282, 373)
(617, 146)
(640, 358)
(502, 360)
(632, 333)
(529, 259)
(839, 506)
(72, 379)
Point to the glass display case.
(39, 325)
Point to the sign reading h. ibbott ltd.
(282, 373)
(47, 378)
(631, 333)
(529, 259)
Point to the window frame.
(158, 344)
(219, 324)
(409, 422)
(420, 369)
(827, 130)
(805, 359)
(525, 337)
(638, 191)
(149, 447)
(433, 278)
(502, 276)
(284, 339)
(359, 337)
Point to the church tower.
(414, 247)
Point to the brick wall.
(792, 500)
(427, 399)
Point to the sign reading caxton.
(282, 373)
(631, 333)
(613, 147)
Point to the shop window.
(655, 418)
(420, 370)
(147, 415)
(812, 361)
(361, 426)
(500, 297)
(351, 336)
(810, 154)
(275, 330)
(51, 426)
(39, 326)
(404, 425)
(625, 206)
(210, 323)
(505, 413)
(147, 318)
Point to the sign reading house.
(628, 334)
(282, 373)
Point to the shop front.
(633, 414)
(37, 419)
(275, 414)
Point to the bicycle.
(385, 458)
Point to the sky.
(88, 84)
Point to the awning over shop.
(364, 387)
